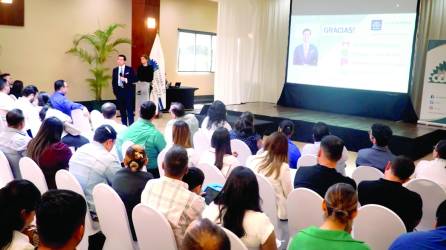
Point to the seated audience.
(273, 164)
(144, 133)
(46, 110)
(389, 192)
(433, 239)
(129, 182)
(237, 208)
(26, 103)
(14, 140)
(320, 130)
(178, 114)
(220, 153)
(60, 102)
(170, 195)
(323, 175)
(8, 78)
(108, 110)
(48, 151)
(216, 118)
(434, 170)
(205, 235)
(340, 207)
(6, 102)
(244, 131)
(18, 202)
(182, 137)
(16, 89)
(60, 219)
(194, 178)
(93, 163)
(287, 127)
(379, 154)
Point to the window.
(196, 51)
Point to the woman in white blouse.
(220, 154)
(181, 136)
(18, 202)
(434, 170)
(237, 208)
(216, 118)
(273, 164)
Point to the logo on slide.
(377, 25)
(438, 75)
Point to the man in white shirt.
(26, 104)
(108, 110)
(434, 170)
(171, 196)
(6, 102)
(178, 113)
(93, 163)
(14, 140)
(320, 130)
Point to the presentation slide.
(356, 51)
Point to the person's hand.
(123, 79)
(85, 111)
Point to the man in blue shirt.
(60, 102)
(287, 127)
(434, 239)
(379, 154)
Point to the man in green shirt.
(144, 133)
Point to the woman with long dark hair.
(47, 150)
(16, 89)
(216, 118)
(244, 131)
(237, 208)
(220, 154)
(273, 164)
(18, 202)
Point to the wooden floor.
(409, 130)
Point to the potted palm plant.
(95, 49)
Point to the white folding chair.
(306, 161)
(3, 123)
(268, 196)
(377, 226)
(293, 172)
(236, 242)
(81, 122)
(365, 173)
(212, 175)
(432, 195)
(66, 180)
(305, 209)
(152, 229)
(125, 146)
(31, 171)
(242, 150)
(160, 160)
(113, 218)
(202, 142)
(5, 170)
(97, 119)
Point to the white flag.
(158, 95)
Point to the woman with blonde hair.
(273, 164)
(340, 207)
(130, 181)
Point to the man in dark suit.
(323, 175)
(305, 53)
(124, 90)
(389, 192)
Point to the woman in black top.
(145, 71)
(130, 181)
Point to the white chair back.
(66, 180)
(293, 174)
(113, 218)
(125, 146)
(97, 119)
(152, 229)
(377, 226)
(306, 161)
(81, 122)
(432, 195)
(366, 173)
(202, 142)
(268, 196)
(305, 209)
(242, 150)
(212, 175)
(31, 171)
(5, 170)
(3, 123)
(236, 242)
(160, 160)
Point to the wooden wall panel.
(142, 37)
(13, 14)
